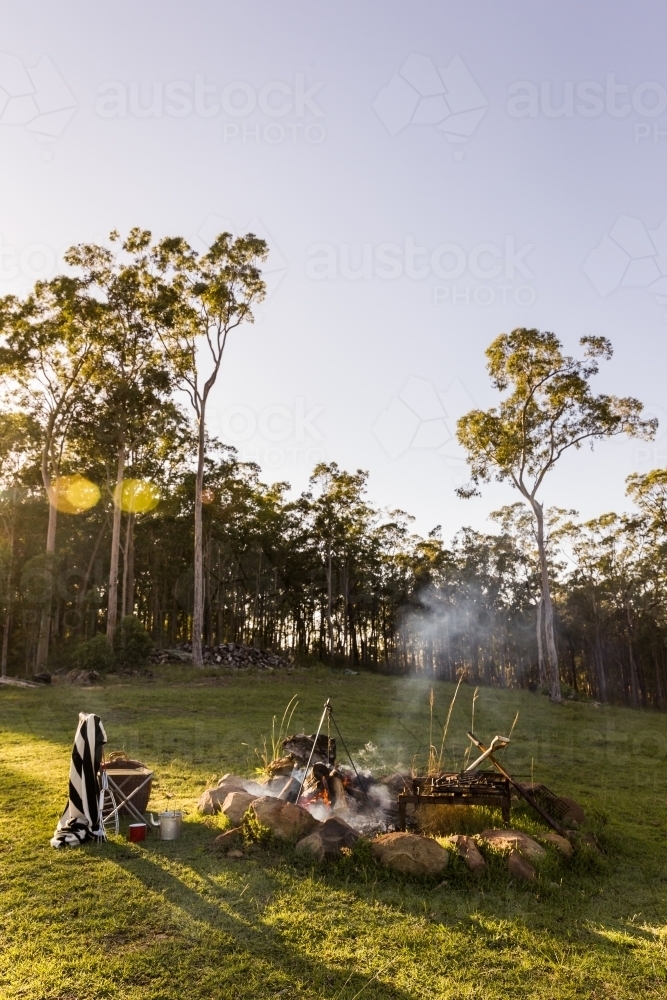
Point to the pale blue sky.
(420, 189)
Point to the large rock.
(514, 840)
(410, 853)
(519, 867)
(230, 839)
(575, 815)
(236, 806)
(327, 840)
(560, 843)
(467, 849)
(211, 800)
(285, 820)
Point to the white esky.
(307, 131)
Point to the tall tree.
(548, 408)
(131, 381)
(196, 302)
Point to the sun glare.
(74, 494)
(136, 496)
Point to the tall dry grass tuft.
(466, 755)
(434, 763)
(267, 758)
(449, 715)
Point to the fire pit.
(484, 788)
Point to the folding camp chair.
(117, 793)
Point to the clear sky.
(428, 175)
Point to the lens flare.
(207, 496)
(136, 496)
(74, 494)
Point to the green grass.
(174, 920)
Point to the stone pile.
(400, 851)
(338, 805)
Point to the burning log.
(337, 793)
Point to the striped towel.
(81, 820)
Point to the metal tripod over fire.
(327, 713)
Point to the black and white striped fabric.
(81, 820)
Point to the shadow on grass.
(237, 923)
(474, 907)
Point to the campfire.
(307, 773)
(324, 806)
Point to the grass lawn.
(175, 920)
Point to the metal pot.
(169, 824)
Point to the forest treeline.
(327, 571)
(115, 503)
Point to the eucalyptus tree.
(129, 386)
(519, 525)
(196, 302)
(50, 343)
(548, 408)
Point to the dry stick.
(520, 789)
(275, 744)
(516, 719)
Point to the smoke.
(470, 628)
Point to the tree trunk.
(541, 669)
(112, 601)
(634, 680)
(198, 600)
(45, 618)
(552, 654)
(658, 683)
(573, 665)
(329, 601)
(8, 612)
(127, 599)
(599, 659)
(345, 608)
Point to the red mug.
(137, 831)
